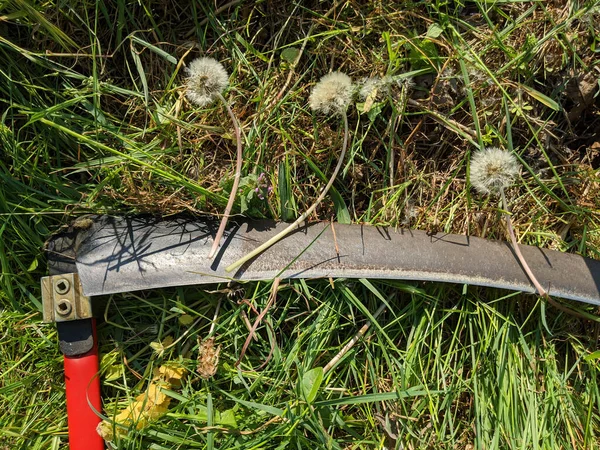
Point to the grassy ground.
(93, 120)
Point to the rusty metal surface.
(127, 254)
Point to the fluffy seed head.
(493, 169)
(332, 94)
(373, 86)
(368, 87)
(206, 78)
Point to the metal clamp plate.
(63, 299)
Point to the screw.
(62, 286)
(64, 307)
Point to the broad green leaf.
(422, 54)
(34, 265)
(111, 369)
(186, 320)
(311, 382)
(227, 418)
(374, 111)
(290, 54)
(434, 31)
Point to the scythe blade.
(123, 254)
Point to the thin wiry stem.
(354, 340)
(303, 217)
(513, 238)
(236, 180)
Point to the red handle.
(83, 389)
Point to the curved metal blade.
(132, 253)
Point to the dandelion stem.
(520, 256)
(236, 180)
(303, 217)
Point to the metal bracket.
(63, 299)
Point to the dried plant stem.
(236, 180)
(353, 341)
(257, 322)
(215, 317)
(303, 217)
(513, 238)
(247, 322)
(543, 293)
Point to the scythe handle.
(83, 398)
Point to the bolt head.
(62, 286)
(64, 307)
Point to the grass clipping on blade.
(147, 407)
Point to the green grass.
(93, 120)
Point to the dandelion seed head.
(206, 79)
(372, 87)
(493, 169)
(332, 94)
(368, 87)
